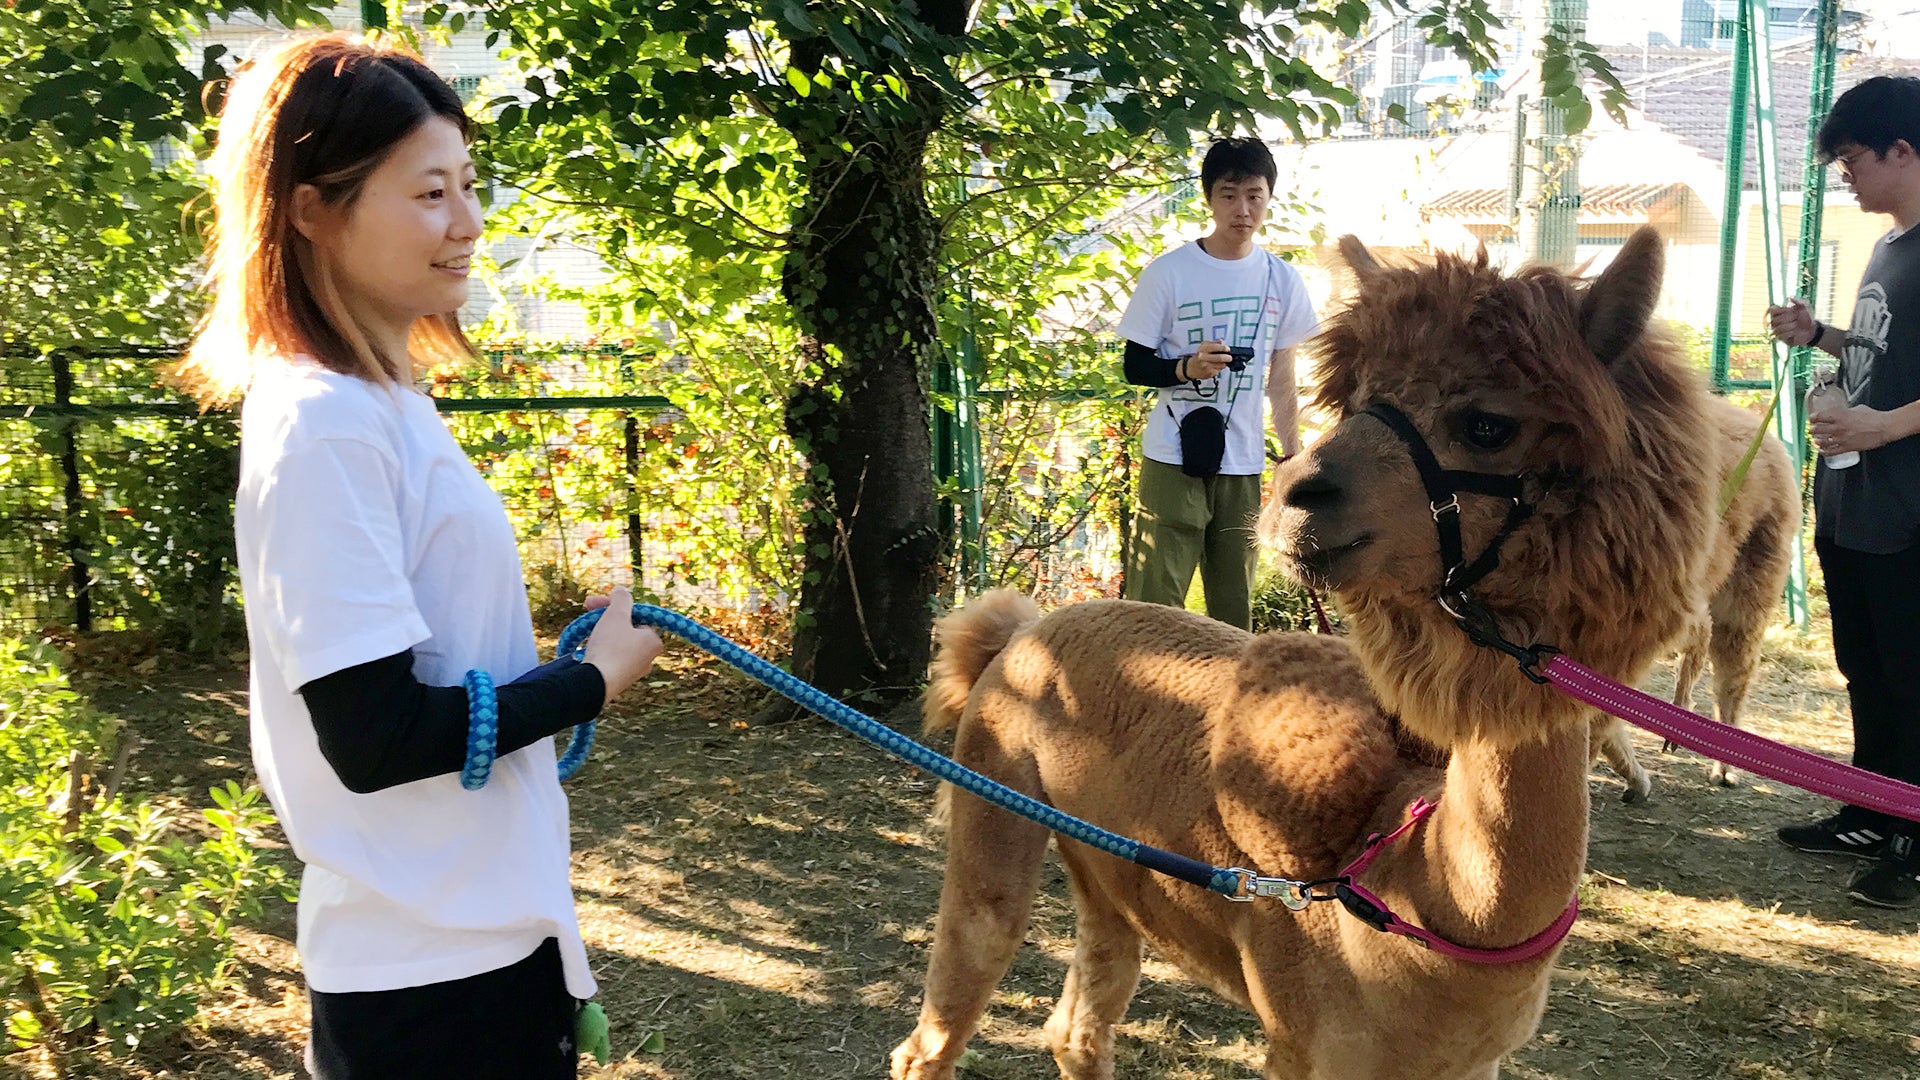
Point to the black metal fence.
(116, 506)
(116, 496)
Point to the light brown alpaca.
(1746, 572)
(1277, 752)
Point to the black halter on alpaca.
(1457, 575)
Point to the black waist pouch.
(1203, 441)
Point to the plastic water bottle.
(1826, 396)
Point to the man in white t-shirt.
(1211, 324)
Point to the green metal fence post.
(973, 552)
(956, 456)
(1548, 201)
(79, 573)
(943, 450)
(1813, 202)
(1730, 205)
(1788, 422)
(630, 454)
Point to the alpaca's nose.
(1316, 491)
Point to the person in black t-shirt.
(1867, 515)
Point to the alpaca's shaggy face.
(1539, 376)
(1354, 516)
(1494, 373)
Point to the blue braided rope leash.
(1233, 882)
(483, 717)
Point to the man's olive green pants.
(1186, 522)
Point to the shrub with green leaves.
(115, 915)
(1280, 603)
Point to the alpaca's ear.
(1620, 302)
(1364, 265)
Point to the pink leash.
(1319, 612)
(1364, 905)
(1373, 911)
(1724, 742)
(1743, 749)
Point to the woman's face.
(400, 251)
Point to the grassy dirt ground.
(758, 903)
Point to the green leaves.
(1566, 62)
(114, 917)
(100, 115)
(795, 16)
(1579, 115)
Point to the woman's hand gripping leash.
(622, 651)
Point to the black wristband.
(1819, 331)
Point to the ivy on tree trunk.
(860, 278)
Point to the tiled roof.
(1629, 200)
(1687, 92)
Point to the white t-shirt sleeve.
(331, 578)
(1296, 321)
(1149, 314)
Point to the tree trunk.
(861, 280)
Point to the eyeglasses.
(1845, 162)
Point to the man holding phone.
(1212, 324)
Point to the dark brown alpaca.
(1277, 752)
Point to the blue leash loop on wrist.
(483, 730)
(1232, 882)
(483, 716)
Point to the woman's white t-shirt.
(1187, 296)
(364, 530)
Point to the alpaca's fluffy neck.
(1506, 847)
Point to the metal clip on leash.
(1481, 628)
(1295, 895)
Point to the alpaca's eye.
(1488, 431)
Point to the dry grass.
(758, 902)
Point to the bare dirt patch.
(758, 902)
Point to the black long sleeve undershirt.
(1144, 367)
(380, 727)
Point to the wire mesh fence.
(116, 497)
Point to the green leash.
(1738, 477)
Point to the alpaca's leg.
(1607, 738)
(1742, 609)
(993, 866)
(1285, 1062)
(1693, 659)
(1100, 981)
(1736, 656)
